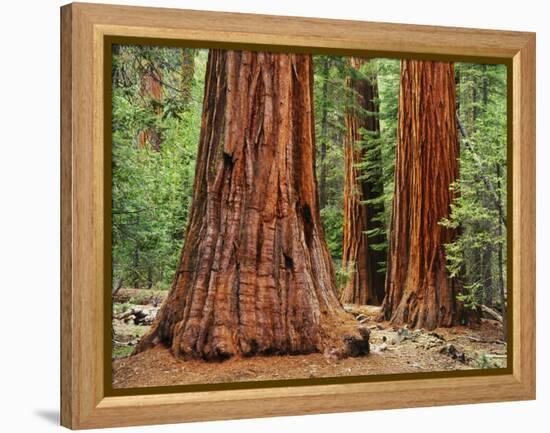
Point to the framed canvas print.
(266, 215)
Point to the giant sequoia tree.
(418, 289)
(361, 186)
(255, 274)
(151, 92)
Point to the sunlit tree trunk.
(255, 276)
(366, 285)
(501, 285)
(418, 290)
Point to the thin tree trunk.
(487, 274)
(255, 275)
(474, 107)
(477, 272)
(485, 88)
(324, 138)
(135, 266)
(187, 75)
(136, 261)
(487, 255)
(149, 277)
(502, 289)
(418, 290)
(117, 287)
(367, 284)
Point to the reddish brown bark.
(151, 91)
(255, 275)
(367, 284)
(418, 290)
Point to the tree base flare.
(346, 339)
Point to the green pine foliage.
(387, 71)
(379, 160)
(152, 190)
(477, 258)
(331, 97)
(330, 100)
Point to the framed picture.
(267, 216)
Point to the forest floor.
(393, 350)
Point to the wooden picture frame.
(85, 28)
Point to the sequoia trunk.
(151, 91)
(418, 290)
(366, 285)
(255, 275)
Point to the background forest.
(157, 104)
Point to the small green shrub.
(485, 362)
(470, 296)
(121, 308)
(120, 351)
(344, 274)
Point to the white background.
(29, 216)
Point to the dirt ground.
(393, 350)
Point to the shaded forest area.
(363, 113)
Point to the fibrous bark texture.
(255, 275)
(418, 290)
(151, 90)
(366, 285)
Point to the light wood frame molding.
(84, 403)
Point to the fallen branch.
(482, 340)
(494, 314)
(126, 314)
(116, 288)
(126, 343)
